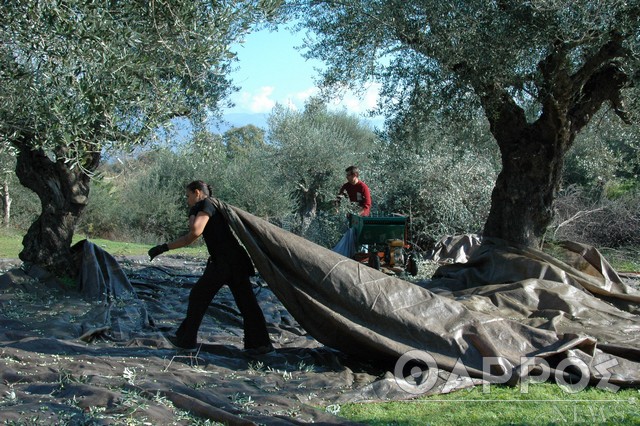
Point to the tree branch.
(576, 216)
(606, 54)
(604, 85)
(503, 113)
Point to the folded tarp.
(117, 313)
(499, 315)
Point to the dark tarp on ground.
(71, 357)
(62, 354)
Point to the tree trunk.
(532, 162)
(6, 203)
(63, 193)
(533, 153)
(307, 200)
(523, 196)
(307, 208)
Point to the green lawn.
(118, 248)
(11, 245)
(543, 404)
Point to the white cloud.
(300, 98)
(259, 102)
(358, 104)
(262, 101)
(347, 100)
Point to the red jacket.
(358, 193)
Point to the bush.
(25, 205)
(605, 222)
(446, 190)
(143, 203)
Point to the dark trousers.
(217, 273)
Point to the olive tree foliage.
(143, 197)
(606, 158)
(241, 140)
(80, 78)
(139, 199)
(439, 173)
(248, 178)
(599, 202)
(566, 58)
(156, 196)
(239, 167)
(312, 148)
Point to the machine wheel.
(374, 261)
(411, 265)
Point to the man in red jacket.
(356, 190)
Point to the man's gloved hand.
(157, 250)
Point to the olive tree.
(312, 149)
(79, 78)
(240, 140)
(606, 157)
(140, 197)
(238, 165)
(567, 58)
(440, 172)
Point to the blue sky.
(270, 69)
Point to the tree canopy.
(80, 77)
(313, 148)
(539, 70)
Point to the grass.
(118, 248)
(543, 404)
(624, 259)
(11, 245)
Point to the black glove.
(157, 250)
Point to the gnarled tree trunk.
(523, 196)
(532, 161)
(63, 193)
(307, 200)
(307, 207)
(533, 153)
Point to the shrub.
(602, 223)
